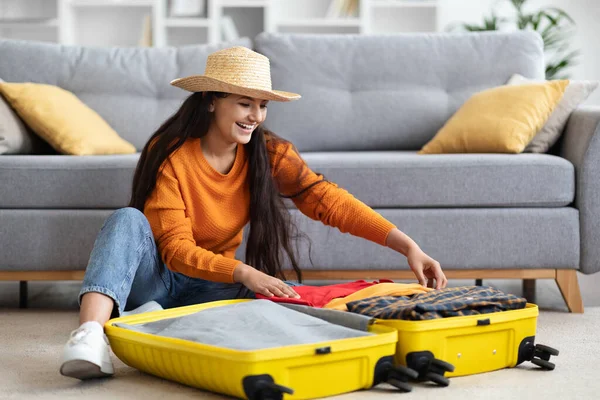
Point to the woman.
(206, 172)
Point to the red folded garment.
(318, 296)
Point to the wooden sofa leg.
(529, 290)
(22, 294)
(566, 279)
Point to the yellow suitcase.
(290, 372)
(473, 344)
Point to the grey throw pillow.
(575, 93)
(15, 136)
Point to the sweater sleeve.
(172, 230)
(322, 200)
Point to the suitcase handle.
(323, 350)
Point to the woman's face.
(237, 116)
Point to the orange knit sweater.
(197, 214)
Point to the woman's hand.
(261, 283)
(425, 267)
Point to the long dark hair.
(271, 226)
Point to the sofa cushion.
(406, 179)
(463, 238)
(129, 87)
(459, 239)
(380, 179)
(386, 92)
(59, 181)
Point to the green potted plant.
(554, 25)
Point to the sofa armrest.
(581, 146)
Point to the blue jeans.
(126, 266)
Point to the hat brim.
(201, 83)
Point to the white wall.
(586, 14)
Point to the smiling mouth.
(246, 128)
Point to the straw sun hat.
(236, 70)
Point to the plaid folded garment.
(449, 302)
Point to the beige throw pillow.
(575, 93)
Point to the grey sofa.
(369, 103)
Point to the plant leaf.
(555, 26)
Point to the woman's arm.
(324, 201)
(399, 241)
(334, 206)
(425, 268)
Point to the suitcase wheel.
(543, 364)
(396, 375)
(429, 368)
(263, 387)
(405, 371)
(440, 366)
(541, 356)
(436, 371)
(401, 386)
(438, 379)
(538, 354)
(546, 349)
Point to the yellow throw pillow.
(503, 119)
(64, 121)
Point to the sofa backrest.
(128, 87)
(384, 92)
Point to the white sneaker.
(86, 355)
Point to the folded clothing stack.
(449, 302)
(336, 296)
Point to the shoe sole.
(82, 369)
